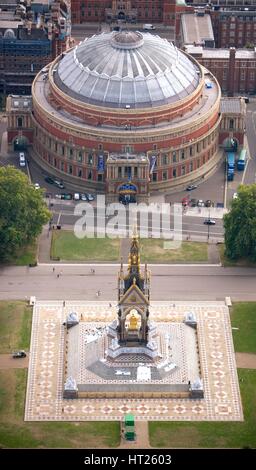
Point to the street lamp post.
(208, 231)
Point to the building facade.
(159, 11)
(235, 69)
(234, 28)
(126, 114)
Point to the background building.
(148, 11)
(31, 36)
(234, 69)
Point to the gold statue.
(133, 325)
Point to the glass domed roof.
(127, 69)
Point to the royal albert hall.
(126, 114)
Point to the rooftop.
(127, 69)
(232, 105)
(196, 29)
(219, 53)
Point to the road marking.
(58, 221)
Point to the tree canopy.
(22, 211)
(240, 225)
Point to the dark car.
(49, 180)
(208, 203)
(17, 354)
(209, 222)
(193, 202)
(191, 186)
(66, 197)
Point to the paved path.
(8, 362)
(142, 438)
(246, 361)
(168, 282)
(44, 246)
(213, 254)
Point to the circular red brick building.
(126, 113)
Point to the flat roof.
(196, 28)
(211, 53)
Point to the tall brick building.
(235, 69)
(160, 11)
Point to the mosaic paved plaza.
(44, 400)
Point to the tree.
(22, 211)
(240, 225)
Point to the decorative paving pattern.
(44, 400)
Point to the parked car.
(190, 187)
(90, 197)
(200, 203)
(209, 222)
(17, 354)
(37, 186)
(22, 159)
(49, 180)
(76, 196)
(83, 197)
(66, 196)
(185, 201)
(208, 203)
(193, 202)
(235, 196)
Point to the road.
(63, 214)
(168, 283)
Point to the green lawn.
(152, 250)
(206, 434)
(15, 330)
(212, 434)
(15, 433)
(15, 325)
(66, 246)
(25, 256)
(243, 316)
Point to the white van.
(22, 159)
(148, 27)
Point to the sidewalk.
(142, 437)
(207, 212)
(44, 246)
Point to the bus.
(242, 160)
(230, 166)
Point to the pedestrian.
(64, 303)
(61, 273)
(58, 275)
(53, 269)
(110, 304)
